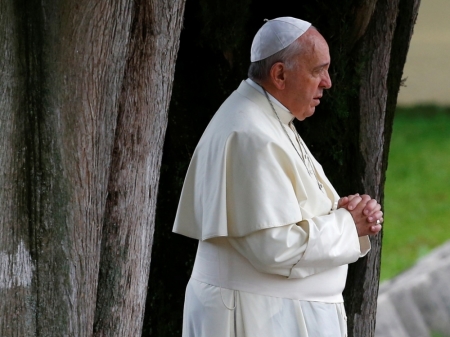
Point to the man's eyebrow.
(322, 65)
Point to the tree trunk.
(133, 182)
(16, 265)
(83, 110)
(386, 42)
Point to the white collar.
(283, 112)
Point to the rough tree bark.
(134, 177)
(83, 111)
(385, 45)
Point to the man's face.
(306, 80)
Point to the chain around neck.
(305, 156)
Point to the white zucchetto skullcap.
(276, 35)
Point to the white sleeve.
(306, 248)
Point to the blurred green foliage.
(417, 195)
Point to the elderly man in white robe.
(274, 237)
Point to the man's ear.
(277, 75)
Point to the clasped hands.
(366, 213)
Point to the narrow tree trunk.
(386, 43)
(71, 72)
(133, 183)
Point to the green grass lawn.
(417, 191)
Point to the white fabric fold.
(274, 250)
(333, 241)
(298, 251)
(218, 263)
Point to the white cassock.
(273, 249)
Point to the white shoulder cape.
(245, 175)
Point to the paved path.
(417, 302)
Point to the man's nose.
(326, 81)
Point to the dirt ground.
(428, 65)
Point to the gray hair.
(260, 70)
